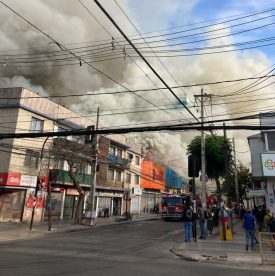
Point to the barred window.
(31, 159)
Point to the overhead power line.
(141, 90)
(144, 59)
(137, 130)
(62, 47)
(176, 127)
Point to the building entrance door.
(116, 206)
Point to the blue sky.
(154, 15)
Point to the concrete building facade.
(24, 161)
(262, 149)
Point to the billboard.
(268, 164)
(28, 180)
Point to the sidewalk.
(10, 231)
(215, 250)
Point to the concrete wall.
(257, 146)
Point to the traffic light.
(194, 165)
(90, 138)
(191, 185)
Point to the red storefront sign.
(43, 183)
(10, 179)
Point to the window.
(60, 164)
(119, 152)
(271, 140)
(137, 160)
(130, 156)
(128, 178)
(137, 179)
(31, 159)
(111, 174)
(85, 168)
(118, 176)
(112, 150)
(36, 125)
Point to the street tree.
(245, 182)
(218, 155)
(76, 154)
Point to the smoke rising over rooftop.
(72, 26)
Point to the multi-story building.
(122, 170)
(262, 149)
(152, 183)
(174, 182)
(23, 161)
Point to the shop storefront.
(149, 200)
(55, 205)
(111, 201)
(17, 197)
(12, 204)
(135, 200)
(70, 203)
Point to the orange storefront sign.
(152, 176)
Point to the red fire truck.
(172, 206)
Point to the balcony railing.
(63, 177)
(119, 161)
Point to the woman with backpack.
(187, 220)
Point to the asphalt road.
(130, 249)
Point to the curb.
(222, 259)
(22, 233)
(115, 223)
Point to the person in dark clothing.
(202, 218)
(242, 212)
(257, 214)
(210, 222)
(106, 212)
(187, 220)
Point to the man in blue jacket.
(249, 223)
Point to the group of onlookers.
(207, 219)
(258, 219)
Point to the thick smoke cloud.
(72, 24)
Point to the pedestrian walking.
(201, 218)
(210, 222)
(249, 224)
(187, 221)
